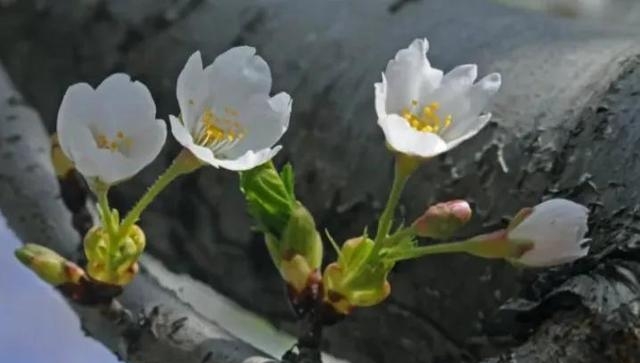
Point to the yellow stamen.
(216, 130)
(121, 143)
(428, 120)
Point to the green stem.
(491, 245)
(468, 246)
(102, 192)
(184, 163)
(384, 224)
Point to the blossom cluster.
(228, 119)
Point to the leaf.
(269, 201)
(288, 179)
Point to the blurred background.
(199, 226)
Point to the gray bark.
(559, 129)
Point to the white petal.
(461, 76)
(482, 92)
(407, 140)
(185, 139)
(464, 129)
(117, 105)
(192, 90)
(148, 144)
(128, 104)
(557, 228)
(381, 97)
(78, 108)
(453, 93)
(250, 159)
(409, 75)
(236, 76)
(265, 120)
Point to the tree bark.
(563, 125)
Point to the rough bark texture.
(563, 125)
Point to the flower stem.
(491, 245)
(102, 191)
(184, 163)
(467, 246)
(404, 167)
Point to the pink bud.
(443, 219)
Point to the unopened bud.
(48, 265)
(296, 272)
(548, 234)
(356, 280)
(300, 237)
(443, 219)
(116, 266)
(96, 244)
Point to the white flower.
(111, 132)
(556, 228)
(227, 118)
(423, 113)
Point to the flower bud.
(296, 272)
(96, 244)
(48, 265)
(116, 266)
(554, 231)
(548, 234)
(298, 256)
(301, 237)
(356, 279)
(443, 219)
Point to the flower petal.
(464, 130)
(381, 97)
(118, 106)
(482, 92)
(407, 140)
(128, 104)
(557, 228)
(78, 107)
(192, 91)
(409, 75)
(453, 93)
(265, 120)
(236, 76)
(183, 136)
(147, 145)
(250, 159)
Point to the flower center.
(428, 119)
(121, 143)
(218, 133)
